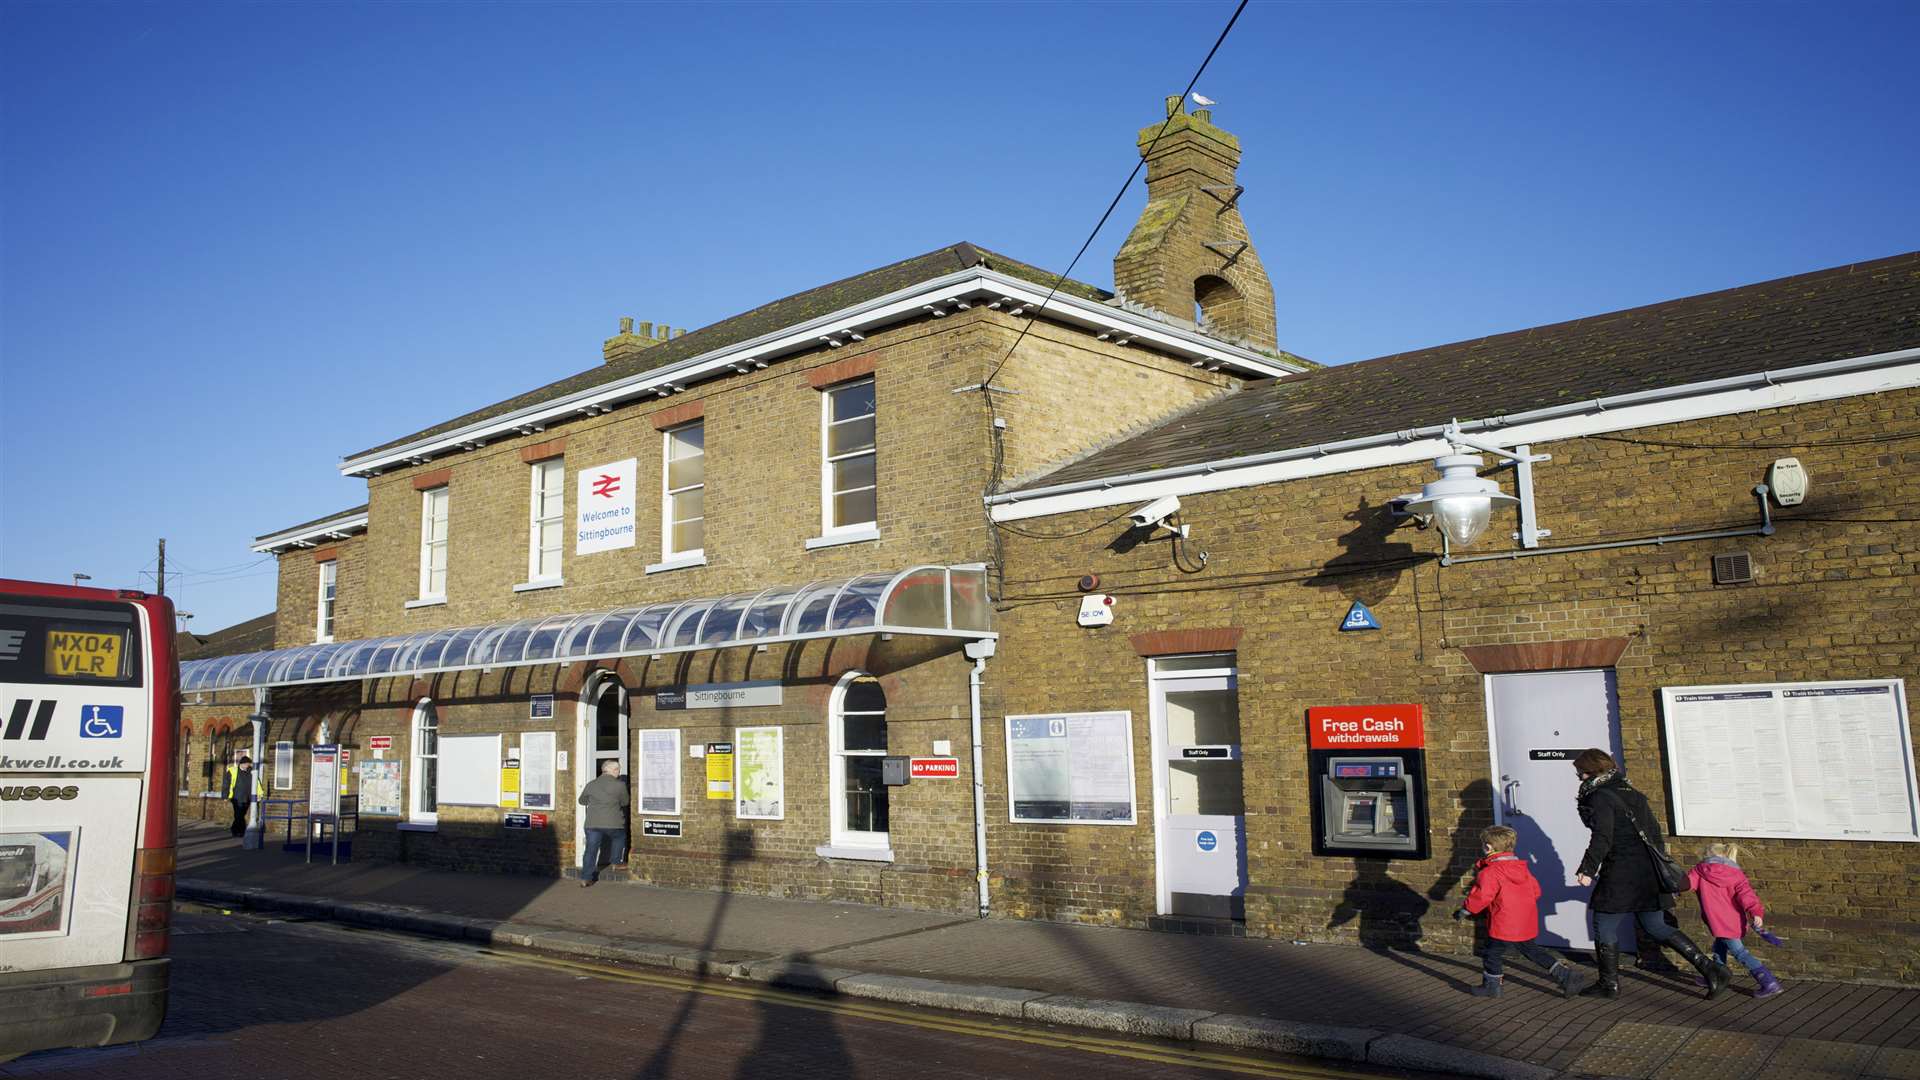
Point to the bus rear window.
(68, 642)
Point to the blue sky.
(240, 241)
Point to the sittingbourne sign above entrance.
(1357, 727)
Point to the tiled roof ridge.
(316, 521)
(1857, 309)
(743, 325)
(1541, 330)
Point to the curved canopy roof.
(935, 601)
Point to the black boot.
(1712, 970)
(1568, 978)
(1489, 986)
(1607, 985)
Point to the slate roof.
(766, 319)
(254, 635)
(361, 509)
(1848, 311)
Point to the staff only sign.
(603, 508)
(1366, 727)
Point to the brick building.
(751, 562)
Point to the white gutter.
(338, 528)
(1620, 412)
(939, 295)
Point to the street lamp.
(1460, 501)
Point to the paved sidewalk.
(1661, 1026)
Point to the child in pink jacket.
(1728, 903)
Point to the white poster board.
(1070, 768)
(1807, 761)
(603, 508)
(759, 773)
(469, 773)
(660, 771)
(537, 770)
(283, 766)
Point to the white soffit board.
(1401, 448)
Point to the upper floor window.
(546, 531)
(684, 494)
(433, 544)
(329, 588)
(847, 475)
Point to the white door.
(599, 734)
(1199, 808)
(1538, 722)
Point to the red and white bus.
(89, 708)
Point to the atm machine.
(1367, 768)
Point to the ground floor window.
(426, 764)
(858, 722)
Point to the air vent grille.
(1733, 568)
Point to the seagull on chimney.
(1202, 99)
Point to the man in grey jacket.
(606, 800)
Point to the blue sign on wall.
(1207, 841)
(1359, 618)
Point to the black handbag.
(1672, 878)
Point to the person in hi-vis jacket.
(243, 786)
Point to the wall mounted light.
(1460, 502)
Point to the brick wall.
(1831, 600)
(298, 600)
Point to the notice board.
(1809, 761)
(1070, 768)
(537, 779)
(469, 773)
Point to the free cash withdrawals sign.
(1366, 727)
(603, 508)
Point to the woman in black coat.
(1621, 870)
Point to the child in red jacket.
(1504, 887)
(1729, 904)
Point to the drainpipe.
(978, 651)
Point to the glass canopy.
(933, 601)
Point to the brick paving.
(1420, 994)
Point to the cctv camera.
(1155, 512)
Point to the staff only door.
(1538, 723)
(1199, 810)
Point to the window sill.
(678, 562)
(418, 826)
(427, 601)
(857, 854)
(328, 640)
(851, 536)
(540, 583)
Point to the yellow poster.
(510, 783)
(719, 770)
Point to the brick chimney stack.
(1189, 255)
(627, 344)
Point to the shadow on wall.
(1388, 911)
(1368, 566)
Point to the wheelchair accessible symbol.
(101, 721)
(1206, 841)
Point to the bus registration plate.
(75, 653)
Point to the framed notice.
(283, 766)
(660, 771)
(603, 508)
(1808, 761)
(1070, 768)
(379, 788)
(469, 773)
(759, 773)
(36, 882)
(536, 770)
(323, 785)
